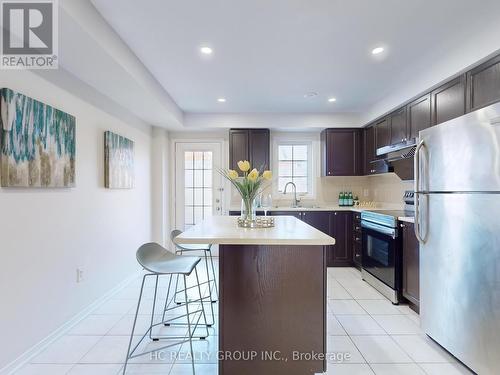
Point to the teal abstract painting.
(37, 143)
(118, 161)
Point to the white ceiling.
(268, 54)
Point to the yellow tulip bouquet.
(248, 185)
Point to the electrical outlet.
(79, 275)
(366, 192)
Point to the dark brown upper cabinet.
(418, 115)
(448, 101)
(397, 121)
(249, 144)
(382, 133)
(341, 152)
(372, 164)
(369, 149)
(259, 148)
(484, 84)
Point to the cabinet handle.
(304, 214)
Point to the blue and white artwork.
(37, 143)
(118, 161)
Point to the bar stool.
(207, 253)
(158, 261)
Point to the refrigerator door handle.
(416, 167)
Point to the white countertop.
(327, 207)
(224, 230)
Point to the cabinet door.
(341, 152)
(411, 269)
(418, 115)
(318, 219)
(448, 101)
(356, 239)
(340, 254)
(238, 147)
(369, 149)
(259, 144)
(398, 126)
(484, 84)
(382, 133)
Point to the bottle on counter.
(346, 199)
(341, 199)
(350, 199)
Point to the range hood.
(386, 150)
(400, 158)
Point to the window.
(197, 186)
(294, 165)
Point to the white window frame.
(312, 173)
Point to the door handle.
(416, 168)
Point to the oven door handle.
(380, 228)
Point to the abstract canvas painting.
(37, 143)
(118, 161)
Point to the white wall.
(46, 234)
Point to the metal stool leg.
(133, 326)
(214, 276)
(177, 252)
(166, 299)
(189, 325)
(153, 311)
(201, 300)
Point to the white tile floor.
(369, 335)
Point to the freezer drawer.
(460, 276)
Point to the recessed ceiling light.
(311, 94)
(331, 100)
(221, 100)
(377, 50)
(206, 50)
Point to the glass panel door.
(198, 187)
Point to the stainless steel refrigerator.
(457, 181)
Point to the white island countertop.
(224, 230)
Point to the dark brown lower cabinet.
(356, 239)
(339, 225)
(411, 268)
(340, 254)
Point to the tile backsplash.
(384, 189)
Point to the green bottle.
(351, 200)
(341, 199)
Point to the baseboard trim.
(24, 358)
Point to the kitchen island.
(272, 308)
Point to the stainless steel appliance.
(381, 249)
(457, 183)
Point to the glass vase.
(248, 209)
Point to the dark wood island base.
(272, 305)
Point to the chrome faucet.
(296, 201)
